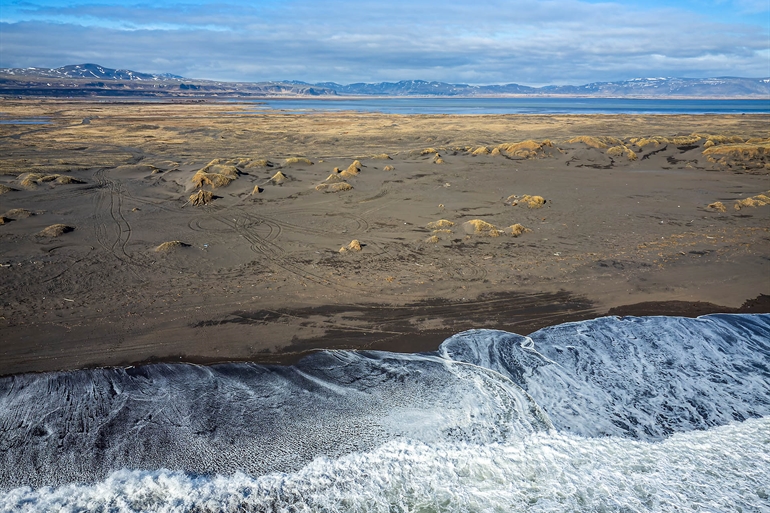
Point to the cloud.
(487, 42)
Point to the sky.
(474, 42)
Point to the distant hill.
(639, 87)
(89, 71)
(95, 80)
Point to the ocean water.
(410, 105)
(612, 414)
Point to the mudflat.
(202, 232)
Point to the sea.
(549, 105)
(631, 414)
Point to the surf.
(650, 413)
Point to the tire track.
(361, 224)
(272, 252)
(108, 212)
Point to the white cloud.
(486, 42)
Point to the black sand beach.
(627, 224)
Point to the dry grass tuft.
(298, 160)
(334, 187)
(334, 178)
(681, 140)
(432, 240)
(530, 201)
(19, 213)
(4, 220)
(657, 140)
(224, 169)
(388, 168)
(4, 189)
(718, 206)
(478, 226)
(171, 245)
(481, 150)
(278, 178)
(426, 151)
(525, 149)
(381, 156)
(596, 142)
(442, 230)
(760, 200)
(66, 179)
(32, 179)
(55, 230)
(533, 201)
(29, 179)
(354, 245)
(618, 151)
(201, 198)
(352, 170)
(215, 180)
(212, 163)
(259, 163)
(441, 223)
(715, 139)
(437, 159)
(740, 151)
(748, 202)
(517, 229)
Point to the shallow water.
(400, 105)
(26, 121)
(633, 414)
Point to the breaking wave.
(636, 414)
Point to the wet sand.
(260, 276)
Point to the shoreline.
(255, 100)
(550, 313)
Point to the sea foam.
(721, 469)
(636, 413)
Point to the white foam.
(641, 377)
(722, 469)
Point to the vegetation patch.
(298, 160)
(31, 180)
(441, 223)
(600, 143)
(55, 230)
(528, 149)
(170, 246)
(354, 245)
(334, 187)
(717, 206)
(278, 178)
(201, 198)
(530, 201)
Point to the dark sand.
(260, 276)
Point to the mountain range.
(94, 80)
